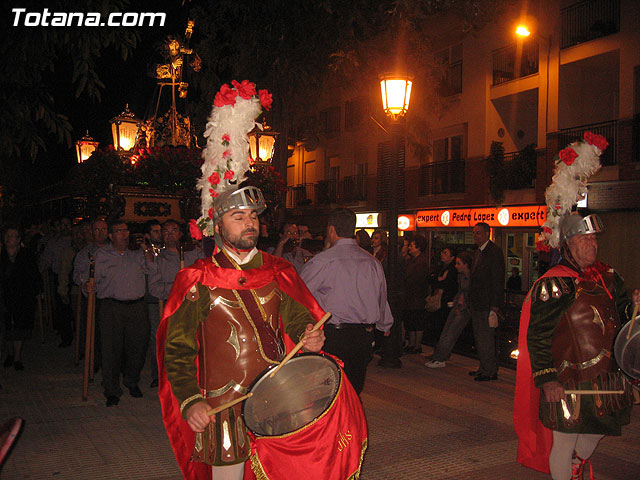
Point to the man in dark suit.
(486, 296)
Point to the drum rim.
(619, 341)
(316, 419)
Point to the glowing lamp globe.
(396, 94)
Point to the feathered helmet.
(574, 165)
(226, 156)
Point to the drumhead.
(298, 393)
(627, 350)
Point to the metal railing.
(510, 63)
(442, 177)
(608, 130)
(520, 168)
(588, 20)
(349, 190)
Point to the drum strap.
(252, 304)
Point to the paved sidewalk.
(423, 424)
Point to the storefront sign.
(516, 216)
(367, 220)
(406, 223)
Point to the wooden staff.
(284, 360)
(89, 335)
(76, 359)
(594, 392)
(633, 319)
(181, 258)
(41, 314)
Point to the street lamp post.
(396, 94)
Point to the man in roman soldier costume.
(569, 390)
(231, 316)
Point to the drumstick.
(633, 319)
(224, 406)
(594, 392)
(299, 344)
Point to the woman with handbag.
(458, 316)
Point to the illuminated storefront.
(513, 228)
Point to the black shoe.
(485, 378)
(8, 362)
(18, 365)
(154, 383)
(112, 400)
(393, 363)
(135, 392)
(475, 373)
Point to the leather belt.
(349, 326)
(125, 302)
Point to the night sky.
(125, 82)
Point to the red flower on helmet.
(542, 246)
(227, 153)
(211, 212)
(547, 230)
(213, 193)
(567, 155)
(194, 230)
(226, 96)
(228, 175)
(266, 99)
(225, 139)
(596, 140)
(245, 89)
(214, 179)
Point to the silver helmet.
(576, 224)
(244, 198)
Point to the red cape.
(205, 272)
(534, 439)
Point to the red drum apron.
(305, 422)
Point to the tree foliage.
(39, 60)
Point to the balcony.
(608, 130)
(348, 191)
(520, 168)
(507, 68)
(442, 177)
(589, 20)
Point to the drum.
(297, 394)
(307, 412)
(627, 351)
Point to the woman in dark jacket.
(19, 280)
(415, 291)
(445, 279)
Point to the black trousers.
(352, 345)
(124, 328)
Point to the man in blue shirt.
(349, 283)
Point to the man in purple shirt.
(349, 283)
(122, 317)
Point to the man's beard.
(240, 242)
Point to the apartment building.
(485, 151)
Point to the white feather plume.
(568, 187)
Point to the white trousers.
(564, 444)
(230, 472)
